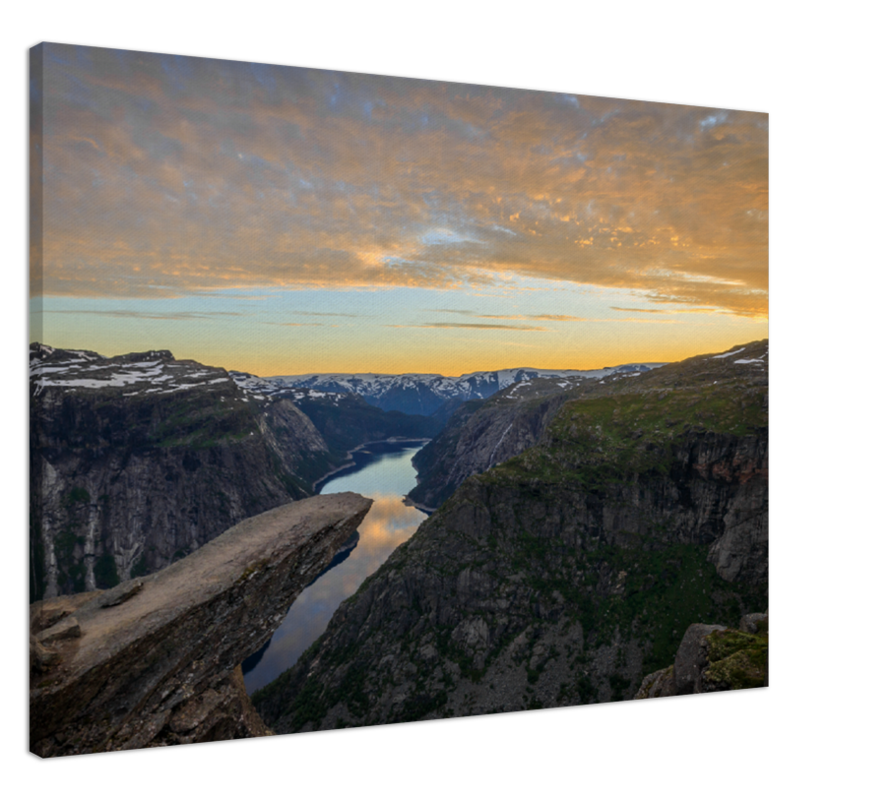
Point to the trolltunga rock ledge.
(156, 660)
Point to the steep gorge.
(567, 573)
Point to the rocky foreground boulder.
(714, 658)
(156, 660)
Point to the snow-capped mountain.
(259, 388)
(154, 372)
(417, 393)
(139, 459)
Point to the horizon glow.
(280, 220)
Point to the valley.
(139, 460)
(567, 573)
(384, 474)
(580, 524)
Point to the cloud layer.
(163, 176)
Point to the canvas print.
(359, 400)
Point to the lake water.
(382, 472)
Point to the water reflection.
(384, 473)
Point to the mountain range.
(416, 393)
(597, 536)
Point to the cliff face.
(155, 661)
(138, 460)
(567, 573)
(482, 434)
(478, 436)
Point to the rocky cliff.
(155, 661)
(481, 434)
(567, 573)
(138, 460)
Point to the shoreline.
(409, 502)
(351, 462)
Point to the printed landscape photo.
(359, 400)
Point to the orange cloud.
(163, 177)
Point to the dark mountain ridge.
(140, 459)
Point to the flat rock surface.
(206, 573)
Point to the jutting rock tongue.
(157, 662)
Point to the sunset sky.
(281, 220)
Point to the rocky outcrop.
(138, 460)
(714, 658)
(157, 661)
(565, 574)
